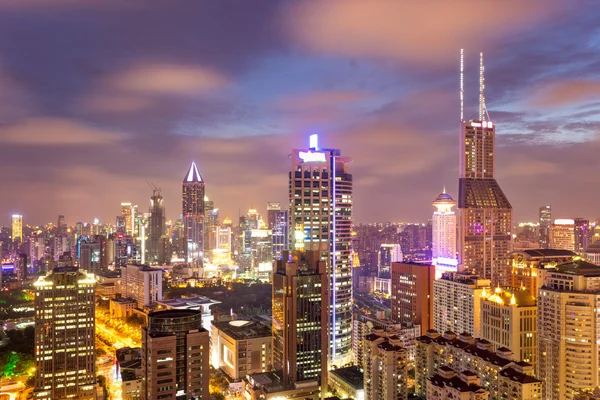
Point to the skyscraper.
(156, 227)
(65, 340)
(321, 220)
(485, 214)
(300, 313)
(388, 254)
(127, 213)
(412, 294)
(562, 234)
(443, 249)
(545, 222)
(175, 356)
(17, 228)
(582, 234)
(193, 214)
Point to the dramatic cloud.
(430, 32)
(563, 93)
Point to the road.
(120, 340)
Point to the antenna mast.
(481, 88)
(462, 87)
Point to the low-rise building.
(518, 382)
(121, 308)
(268, 386)
(241, 347)
(347, 382)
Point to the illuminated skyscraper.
(485, 214)
(562, 234)
(17, 228)
(193, 214)
(321, 220)
(443, 241)
(300, 313)
(277, 222)
(388, 254)
(127, 213)
(65, 341)
(545, 222)
(156, 227)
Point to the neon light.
(475, 124)
(193, 171)
(311, 157)
(314, 141)
(446, 261)
(564, 222)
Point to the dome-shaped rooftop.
(444, 198)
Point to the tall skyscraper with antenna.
(484, 212)
(193, 215)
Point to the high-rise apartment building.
(193, 187)
(562, 234)
(388, 254)
(385, 373)
(582, 234)
(320, 194)
(300, 315)
(545, 222)
(65, 341)
(141, 283)
(175, 356)
(156, 228)
(412, 294)
(17, 228)
(569, 340)
(457, 302)
(509, 320)
(484, 212)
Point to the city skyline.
(124, 117)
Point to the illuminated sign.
(309, 156)
(446, 261)
(564, 222)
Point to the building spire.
(444, 190)
(193, 175)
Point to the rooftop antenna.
(462, 86)
(483, 113)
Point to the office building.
(175, 356)
(484, 212)
(509, 320)
(193, 187)
(388, 254)
(443, 231)
(525, 262)
(277, 222)
(568, 338)
(65, 341)
(592, 253)
(300, 315)
(465, 353)
(386, 367)
(412, 294)
(457, 302)
(582, 234)
(241, 347)
(17, 228)
(92, 253)
(545, 221)
(156, 228)
(141, 283)
(321, 220)
(129, 218)
(562, 234)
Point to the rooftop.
(517, 376)
(481, 193)
(191, 303)
(242, 329)
(580, 267)
(351, 375)
(545, 253)
(513, 296)
(168, 314)
(193, 175)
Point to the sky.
(100, 98)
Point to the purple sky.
(98, 97)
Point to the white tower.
(444, 234)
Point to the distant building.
(347, 382)
(121, 307)
(65, 355)
(562, 234)
(300, 313)
(412, 294)
(509, 319)
(592, 253)
(156, 229)
(545, 222)
(457, 302)
(175, 356)
(388, 253)
(193, 209)
(525, 262)
(141, 283)
(17, 228)
(582, 234)
(241, 347)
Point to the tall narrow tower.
(443, 243)
(156, 226)
(485, 214)
(193, 215)
(321, 220)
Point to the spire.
(193, 175)
(444, 190)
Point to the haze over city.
(100, 97)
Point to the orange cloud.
(321, 99)
(563, 93)
(423, 32)
(44, 131)
(168, 79)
